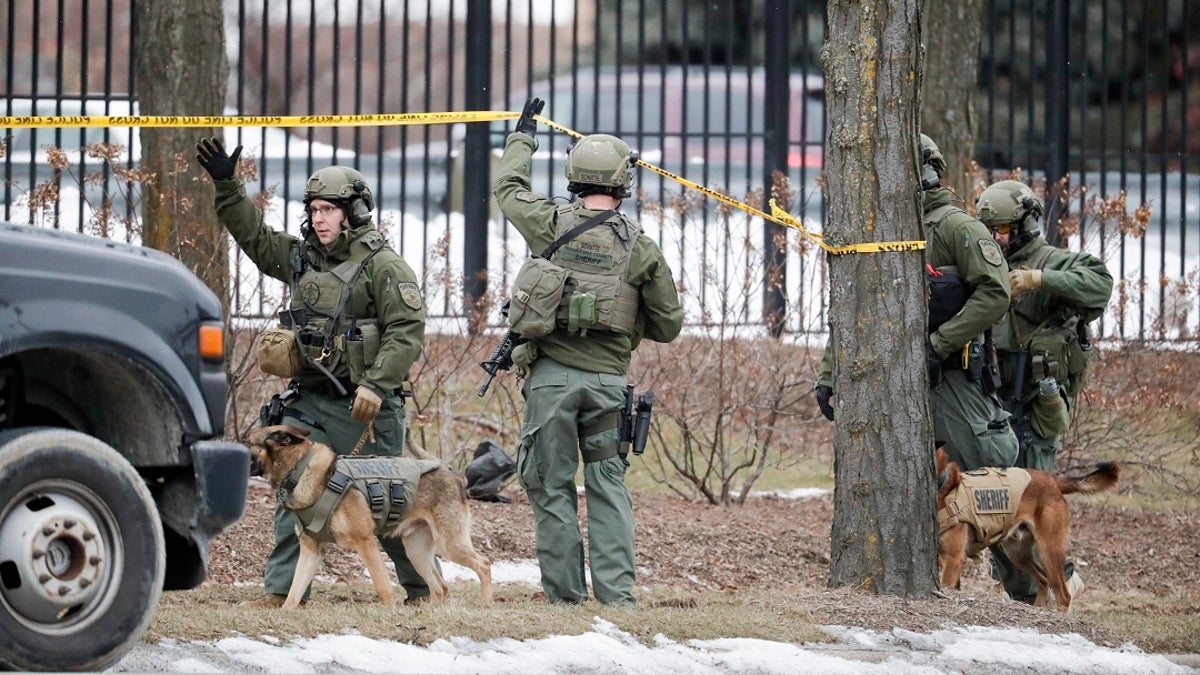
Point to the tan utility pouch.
(277, 352)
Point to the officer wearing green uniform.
(967, 415)
(358, 320)
(619, 290)
(966, 412)
(1055, 293)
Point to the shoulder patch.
(410, 294)
(529, 196)
(991, 252)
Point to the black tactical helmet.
(345, 186)
(604, 160)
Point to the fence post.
(775, 151)
(476, 166)
(1058, 117)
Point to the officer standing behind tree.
(358, 322)
(967, 416)
(1041, 340)
(619, 289)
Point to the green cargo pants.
(972, 423)
(569, 412)
(340, 433)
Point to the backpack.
(947, 294)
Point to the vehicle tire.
(81, 552)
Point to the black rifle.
(1019, 365)
(501, 358)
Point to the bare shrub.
(1142, 408)
(731, 400)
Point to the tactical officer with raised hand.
(616, 289)
(354, 328)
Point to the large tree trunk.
(884, 537)
(181, 69)
(953, 36)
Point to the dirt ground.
(785, 542)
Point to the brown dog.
(978, 509)
(435, 520)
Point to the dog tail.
(1103, 477)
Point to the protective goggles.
(1001, 228)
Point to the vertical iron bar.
(775, 128)
(477, 165)
(1058, 121)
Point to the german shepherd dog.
(1034, 535)
(437, 522)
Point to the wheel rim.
(59, 556)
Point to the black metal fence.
(725, 93)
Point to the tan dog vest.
(986, 500)
(388, 483)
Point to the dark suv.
(113, 474)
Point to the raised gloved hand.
(210, 152)
(525, 123)
(824, 392)
(366, 404)
(1023, 281)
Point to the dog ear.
(287, 435)
(300, 433)
(942, 457)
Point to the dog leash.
(368, 433)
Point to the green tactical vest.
(323, 294)
(597, 295)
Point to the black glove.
(525, 123)
(211, 155)
(824, 393)
(934, 362)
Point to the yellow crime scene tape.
(777, 215)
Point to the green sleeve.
(981, 263)
(825, 373)
(659, 304)
(533, 214)
(270, 250)
(1083, 283)
(393, 288)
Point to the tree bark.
(884, 537)
(953, 37)
(181, 69)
